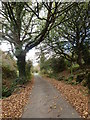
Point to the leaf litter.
(13, 106)
(73, 95)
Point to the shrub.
(88, 80)
(21, 80)
(28, 70)
(73, 83)
(69, 80)
(7, 91)
(57, 64)
(75, 67)
(65, 79)
(9, 67)
(70, 77)
(80, 78)
(8, 73)
(60, 78)
(84, 83)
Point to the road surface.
(46, 102)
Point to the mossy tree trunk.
(79, 59)
(21, 63)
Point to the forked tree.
(26, 24)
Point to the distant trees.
(42, 62)
(51, 65)
(57, 64)
(25, 25)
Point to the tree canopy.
(71, 38)
(26, 24)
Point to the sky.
(30, 55)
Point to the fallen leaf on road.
(60, 108)
(56, 97)
(54, 107)
(51, 106)
(49, 110)
(53, 102)
(58, 115)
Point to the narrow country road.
(46, 102)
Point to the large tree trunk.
(21, 63)
(79, 59)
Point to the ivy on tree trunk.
(21, 63)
